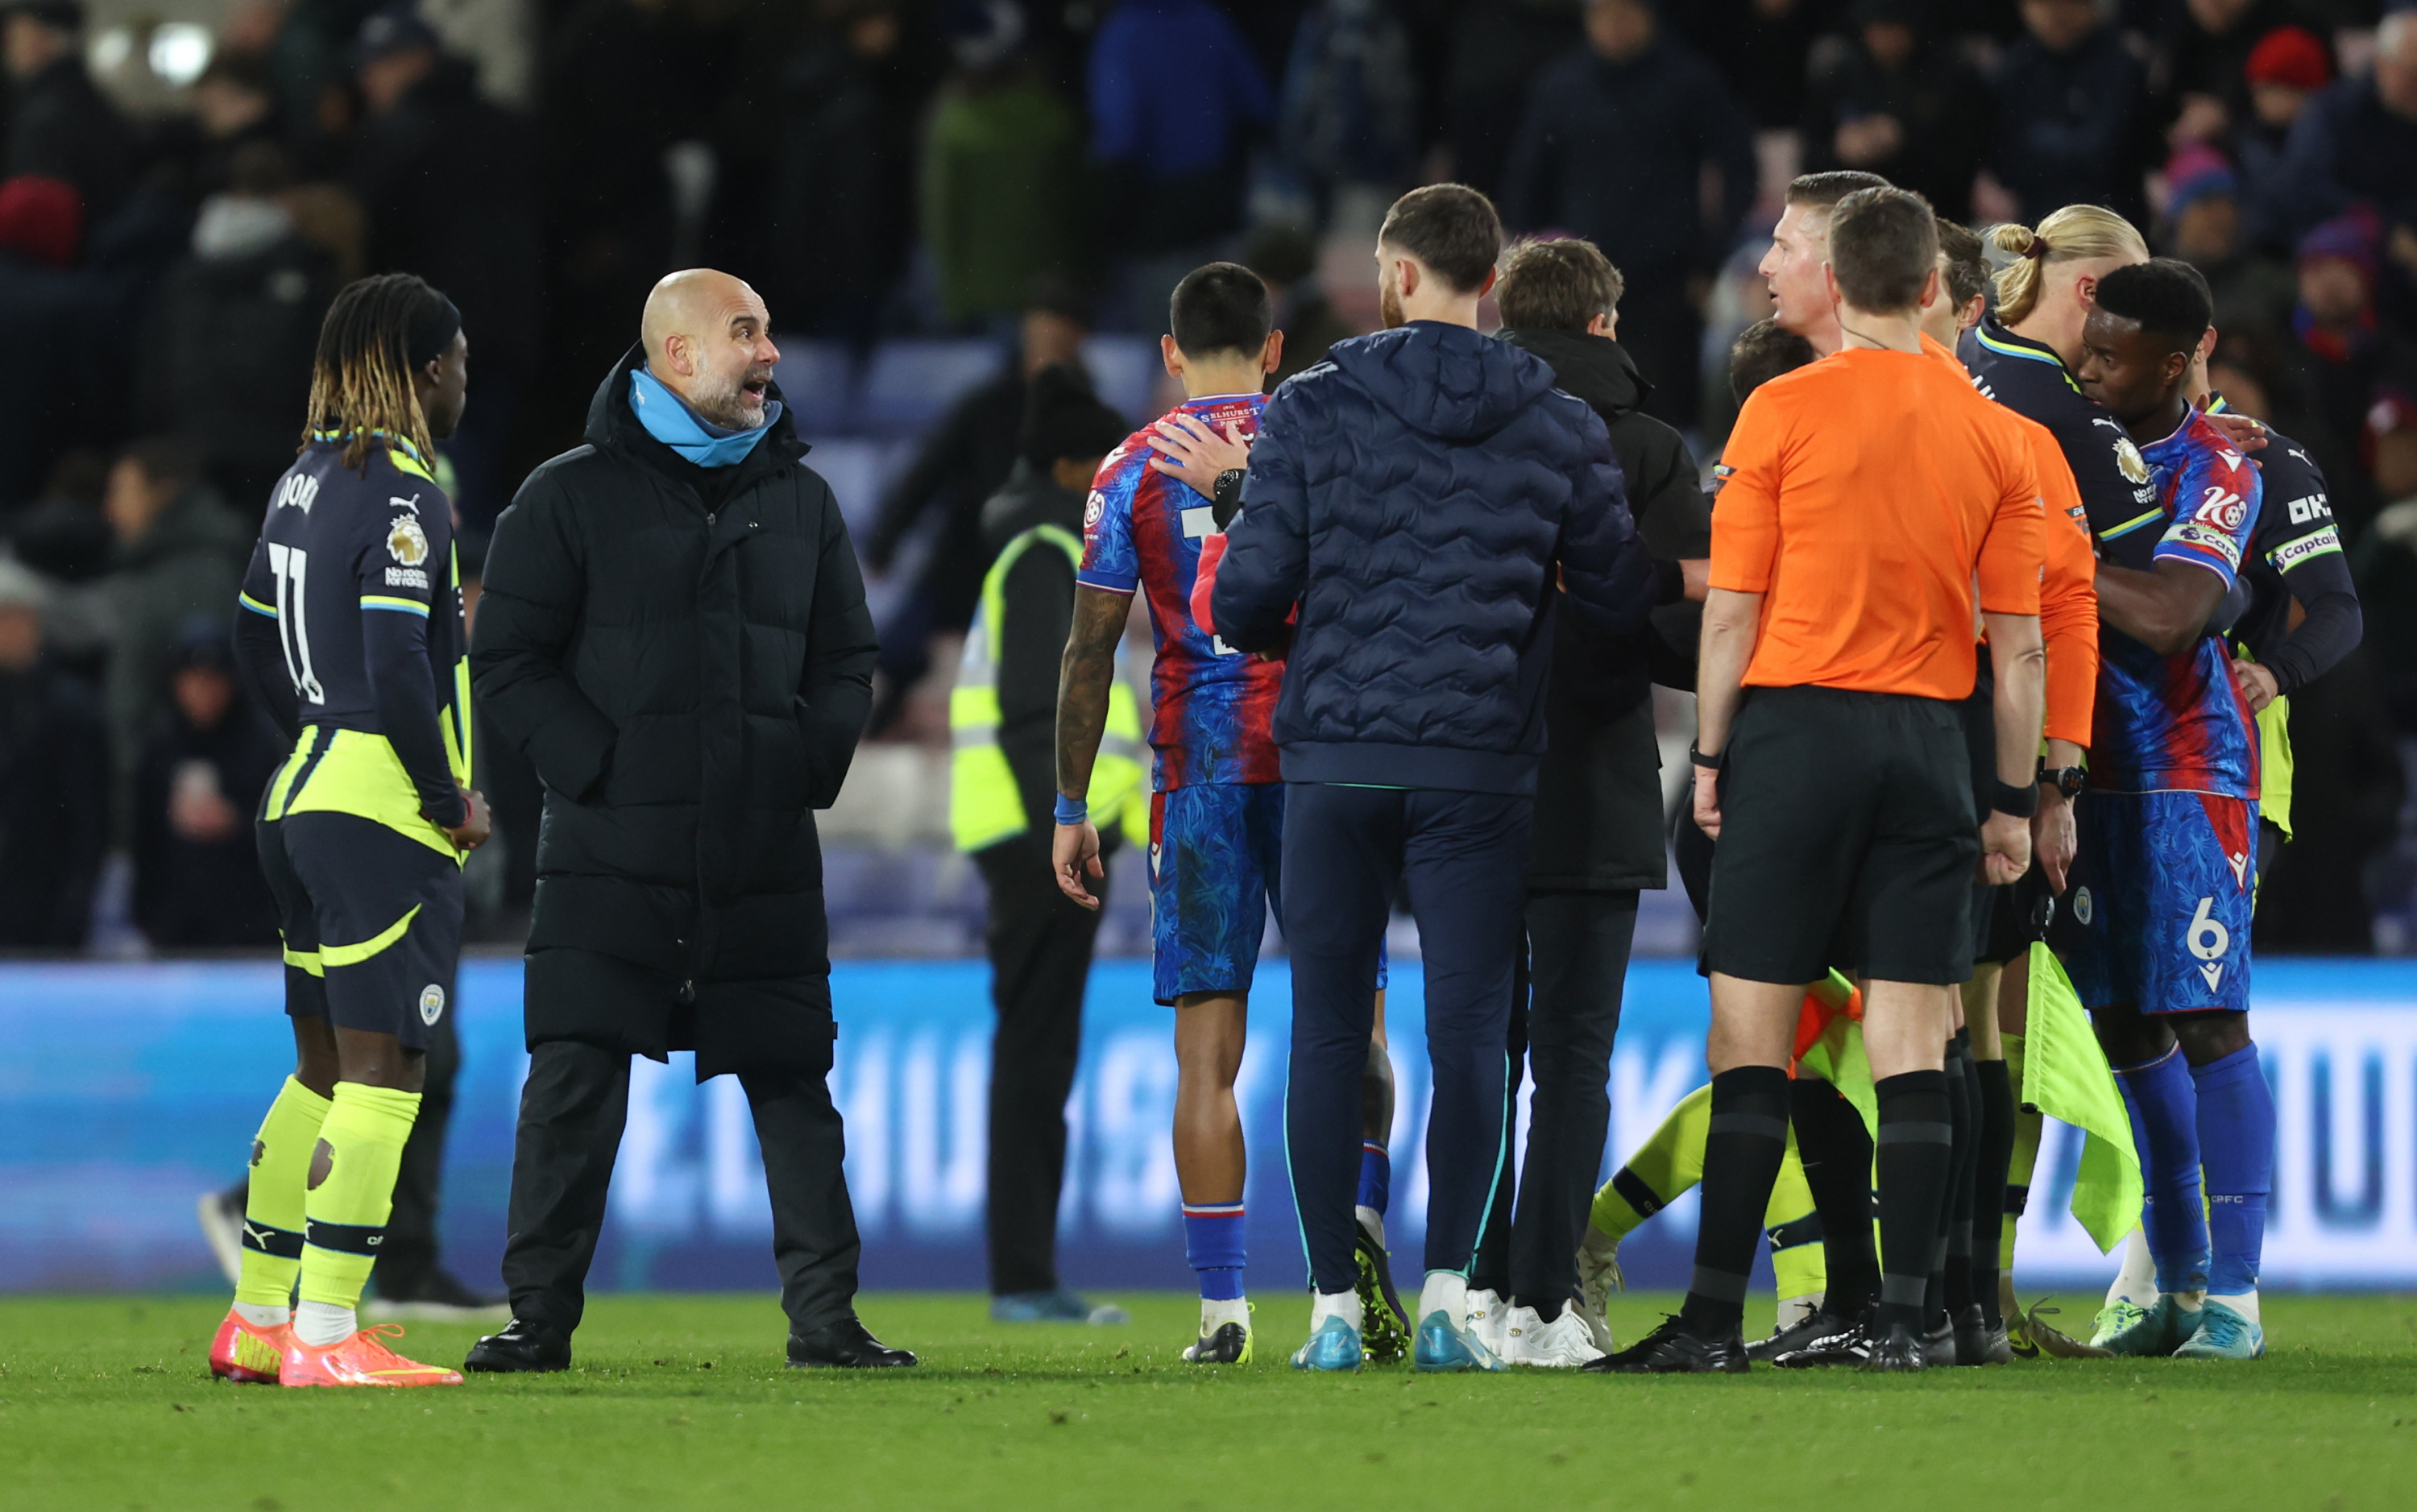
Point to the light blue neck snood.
(669, 420)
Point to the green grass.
(682, 1402)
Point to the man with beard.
(674, 631)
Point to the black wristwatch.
(1225, 498)
(2067, 781)
(1709, 764)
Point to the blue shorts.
(2162, 893)
(1216, 866)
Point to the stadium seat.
(910, 383)
(817, 381)
(1126, 369)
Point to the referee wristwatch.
(2067, 781)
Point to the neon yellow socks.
(2027, 1124)
(272, 1213)
(1669, 1161)
(346, 1212)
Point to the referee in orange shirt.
(1866, 498)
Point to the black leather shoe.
(1671, 1350)
(1811, 1328)
(1938, 1345)
(1899, 1350)
(520, 1346)
(848, 1344)
(1973, 1338)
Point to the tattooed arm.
(1083, 678)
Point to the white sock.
(2245, 1304)
(2189, 1301)
(1325, 1305)
(1595, 1242)
(2136, 1282)
(320, 1324)
(1445, 1291)
(1794, 1311)
(265, 1314)
(1372, 1222)
(1217, 1314)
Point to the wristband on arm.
(2014, 802)
(1073, 810)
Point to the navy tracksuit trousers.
(1461, 856)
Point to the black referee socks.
(1996, 1154)
(1836, 1153)
(1915, 1157)
(1742, 1149)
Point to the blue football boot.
(1335, 1346)
(2223, 1335)
(1443, 1344)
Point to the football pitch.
(682, 1402)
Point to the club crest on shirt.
(406, 541)
(2081, 908)
(431, 1004)
(2128, 460)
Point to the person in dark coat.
(962, 461)
(1599, 794)
(1614, 148)
(2071, 114)
(197, 879)
(1039, 941)
(53, 781)
(1410, 502)
(674, 631)
(447, 181)
(228, 346)
(59, 125)
(1895, 99)
(52, 386)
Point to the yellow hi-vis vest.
(984, 806)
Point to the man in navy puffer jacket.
(1414, 495)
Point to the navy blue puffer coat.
(1414, 493)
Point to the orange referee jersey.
(1867, 497)
(2068, 577)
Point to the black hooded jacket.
(684, 655)
(1598, 793)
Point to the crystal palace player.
(2163, 888)
(350, 633)
(1216, 817)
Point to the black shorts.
(371, 920)
(1848, 838)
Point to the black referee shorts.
(1847, 838)
(371, 920)
(2006, 920)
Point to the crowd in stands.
(1033, 175)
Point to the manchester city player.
(349, 630)
(2162, 887)
(1216, 816)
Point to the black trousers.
(1562, 1026)
(572, 1108)
(1460, 857)
(1040, 945)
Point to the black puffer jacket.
(1598, 793)
(1416, 493)
(684, 655)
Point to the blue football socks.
(1376, 1176)
(2164, 1128)
(2236, 1137)
(1213, 1238)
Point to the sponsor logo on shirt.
(2201, 538)
(411, 503)
(406, 541)
(2314, 543)
(2315, 506)
(2222, 508)
(1093, 508)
